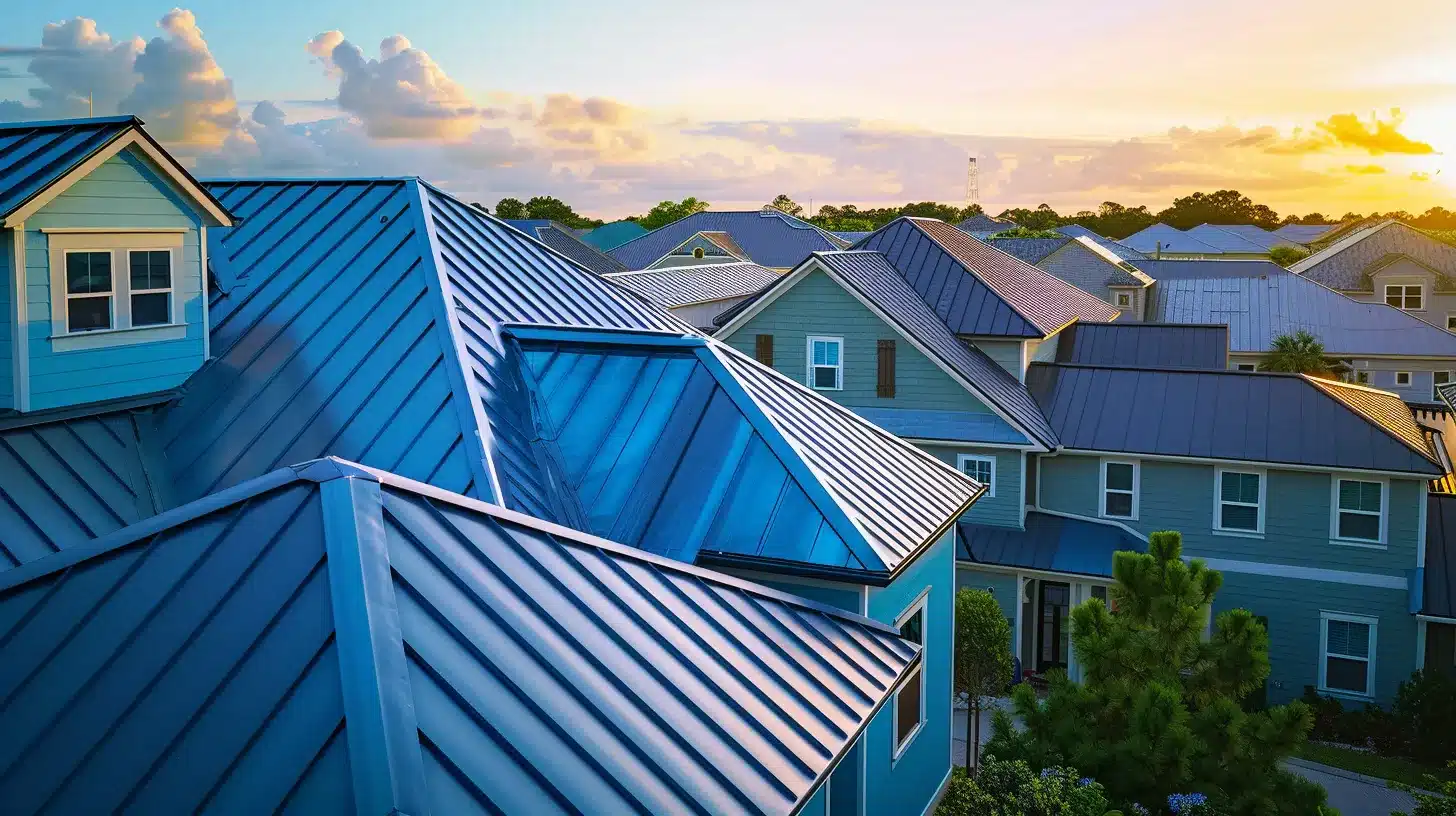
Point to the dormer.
(103, 262)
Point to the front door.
(1055, 602)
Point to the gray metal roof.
(563, 239)
(1261, 237)
(1048, 542)
(697, 283)
(1243, 416)
(982, 225)
(1161, 237)
(1226, 239)
(876, 280)
(1030, 250)
(1259, 309)
(1117, 248)
(944, 426)
(1170, 270)
(1438, 587)
(1304, 233)
(1347, 264)
(1144, 345)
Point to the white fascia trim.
(206, 321)
(1365, 579)
(1436, 619)
(960, 443)
(1203, 460)
(19, 320)
(783, 285)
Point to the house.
(1393, 263)
(563, 239)
(608, 237)
(1381, 346)
(982, 225)
(403, 396)
(767, 237)
(697, 294)
(1088, 265)
(1117, 248)
(1090, 434)
(1305, 234)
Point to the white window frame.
(1219, 502)
(1335, 512)
(1122, 300)
(1406, 375)
(1451, 321)
(809, 361)
(65, 292)
(63, 242)
(1420, 292)
(917, 605)
(1436, 397)
(1324, 652)
(170, 291)
(963, 458)
(1102, 487)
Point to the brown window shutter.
(763, 348)
(885, 382)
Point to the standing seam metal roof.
(1117, 248)
(697, 283)
(773, 239)
(1156, 237)
(35, 155)
(1438, 585)
(1144, 345)
(1048, 542)
(562, 239)
(1226, 239)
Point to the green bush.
(1443, 804)
(1425, 711)
(1014, 789)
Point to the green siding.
(817, 305)
(7, 329)
(1001, 585)
(1006, 353)
(1003, 509)
(121, 194)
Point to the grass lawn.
(1393, 768)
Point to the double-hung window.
(1438, 379)
(89, 290)
(151, 286)
(1410, 297)
(1359, 516)
(1122, 300)
(826, 363)
(1347, 653)
(1120, 489)
(1240, 502)
(910, 701)
(980, 468)
(114, 288)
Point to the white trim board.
(1204, 460)
(1365, 579)
(20, 320)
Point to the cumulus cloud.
(1346, 130)
(183, 94)
(74, 61)
(402, 94)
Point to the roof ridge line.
(1321, 386)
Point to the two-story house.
(1393, 263)
(429, 519)
(1092, 436)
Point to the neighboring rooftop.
(1031, 250)
(767, 237)
(610, 236)
(1207, 268)
(1348, 263)
(1163, 238)
(565, 240)
(677, 286)
(1145, 345)
(1261, 237)
(1438, 585)
(982, 225)
(1226, 240)
(1304, 234)
(1117, 248)
(1049, 543)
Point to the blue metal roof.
(1234, 415)
(610, 236)
(562, 239)
(1031, 250)
(1152, 239)
(1051, 543)
(871, 275)
(1186, 269)
(944, 426)
(1144, 345)
(1117, 248)
(976, 289)
(1259, 236)
(697, 283)
(330, 639)
(1304, 233)
(1259, 309)
(852, 237)
(771, 238)
(1225, 239)
(1438, 585)
(35, 155)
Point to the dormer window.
(114, 288)
(151, 287)
(88, 291)
(698, 252)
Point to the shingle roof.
(976, 289)
(1030, 250)
(1242, 416)
(1304, 233)
(1346, 264)
(872, 276)
(769, 237)
(610, 236)
(1120, 272)
(561, 238)
(1117, 248)
(1052, 543)
(698, 283)
(1438, 587)
(1259, 309)
(333, 639)
(1150, 240)
(1144, 345)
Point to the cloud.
(1419, 176)
(74, 61)
(401, 95)
(1378, 138)
(183, 94)
(1364, 169)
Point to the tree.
(550, 208)
(1287, 256)
(1222, 207)
(667, 212)
(1013, 789)
(982, 658)
(510, 208)
(783, 203)
(1027, 232)
(1298, 353)
(1443, 804)
(1159, 712)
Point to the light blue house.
(1309, 495)
(759, 618)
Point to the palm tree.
(1298, 353)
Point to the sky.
(1305, 106)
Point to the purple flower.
(1084, 782)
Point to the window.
(151, 287)
(1247, 367)
(1402, 378)
(1438, 379)
(885, 368)
(910, 701)
(698, 252)
(1240, 504)
(1410, 297)
(1451, 321)
(1120, 489)
(980, 468)
(1362, 377)
(1359, 511)
(1347, 654)
(88, 291)
(826, 363)
(763, 348)
(1123, 300)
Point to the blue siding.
(1001, 585)
(122, 193)
(1005, 507)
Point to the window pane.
(1393, 298)
(1100, 593)
(1239, 517)
(1360, 526)
(819, 353)
(88, 314)
(1346, 675)
(1119, 477)
(151, 269)
(88, 272)
(150, 310)
(907, 707)
(825, 377)
(1241, 487)
(1360, 496)
(1119, 504)
(1348, 638)
(831, 354)
(914, 628)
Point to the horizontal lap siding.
(1006, 353)
(1003, 509)
(1001, 585)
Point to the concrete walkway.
(1351, 793)
(958, 735)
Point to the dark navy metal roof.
(562, 239)
(330, 639)
(1051, 543)
(769, 237)
(1438, 587)
(1161, 237)
(1117, 248)
(976, 289)
(944, 426)
(1348, 263)
(851, 237)
(874, 279)
(1144, 345)
(35, 155)
(1259, 309)
(1243, 416)
(677, 286)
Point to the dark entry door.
(1054, 601)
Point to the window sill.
(1346, 695)
(1117, 518)
(905, 746)
(1359, 544)
(106, 338)
(1238, 533)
